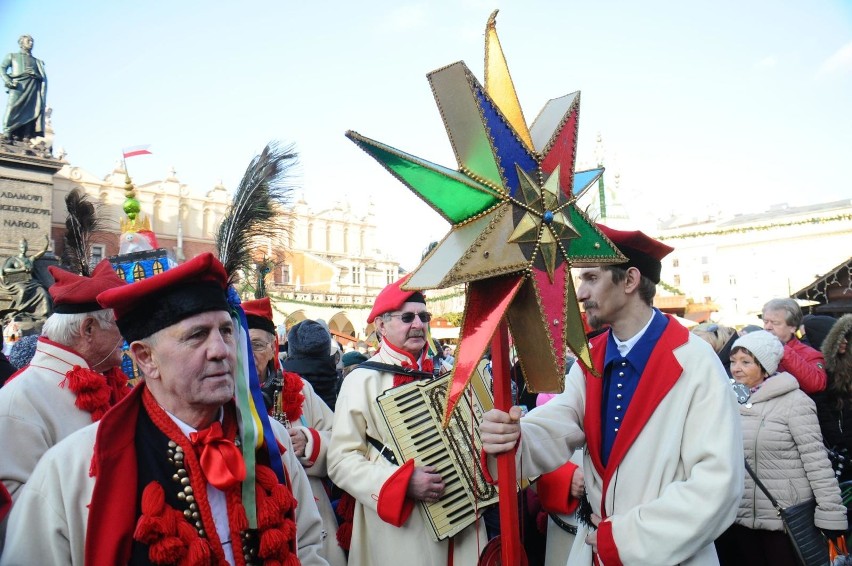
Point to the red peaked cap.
(642, 252)
(74, 294)
(393, 297)
(149, 305)
(259, 314)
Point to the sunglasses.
(408, 317)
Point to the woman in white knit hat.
(783, 446)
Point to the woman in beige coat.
(783, 446)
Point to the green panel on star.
(591, 247)
(453, 195)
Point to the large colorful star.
(516, 227)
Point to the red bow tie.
(221, 460)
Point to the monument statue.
(21, 293)
(26, 82)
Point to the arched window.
(138, 272)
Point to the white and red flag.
(136, 150)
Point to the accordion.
(414, 413)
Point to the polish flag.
(136, 150)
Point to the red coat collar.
(112, 511)
(661, 373)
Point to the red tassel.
(91, 389)
(153, 499)
(346, 507)
(266, 478)
(292, 560)
(288, 527)
(272, 542)
(283, 498)
(240, 519)
(148, 529)
(267, 518)
(291, 398)
(344, 535)
(184, 530)
(198, 553)
(167, 551)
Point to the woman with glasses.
(783, 446)
(721, 338)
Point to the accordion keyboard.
(413, 414)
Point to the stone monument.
(26, 82)
(23, 294)
(27, 167)
(27, 164)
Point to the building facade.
(738, 262)
(324, 264)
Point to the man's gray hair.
(792, 310)
(65, 328)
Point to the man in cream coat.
(663, 460)
(160, 478)
(73, 378)
(386, 527)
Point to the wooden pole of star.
(507, 480)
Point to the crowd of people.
(628, 467)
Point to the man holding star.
(663, 465)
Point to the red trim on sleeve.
(554, 490)
(317, 445)
(606, 545)
(5, 502)
(393, 506)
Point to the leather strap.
(570, 529)
(762, 487)
(390, 368)
(383, 450)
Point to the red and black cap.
(393, 297)
(259, 314)
(149, 305)
(642, 252)
(74, 294)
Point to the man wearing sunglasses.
(384, 529)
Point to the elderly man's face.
(776, 323)
(106, 346)
(262, 346)
(191, 364)
(407, 336)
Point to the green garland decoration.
(837, 218)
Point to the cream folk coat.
(316, 421)
(36, 412)
(673, 488)
(358, 468)
(48, 523)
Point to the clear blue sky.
(726, 104)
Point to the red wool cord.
(96, 392)
(171, 537)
